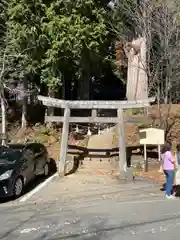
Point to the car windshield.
(9, 154)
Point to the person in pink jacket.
(168, 164)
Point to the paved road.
(93, 211)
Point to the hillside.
(170, 118)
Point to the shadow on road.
(176, 189)
(99, 231)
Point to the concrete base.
(126, 176)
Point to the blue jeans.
(169, 181)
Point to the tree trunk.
(24, 103)
(84, 82)
(84, 89)
(3, 121)
(50, 110)
(137, 82)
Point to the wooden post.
(159, 152)
(145, 159)
(122, 145)
(159, 158)
(64, 142)
(94, 113)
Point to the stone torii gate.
(93, 105)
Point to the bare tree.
(3, 49)
(8, 63)
(157, 22)
(3, 105)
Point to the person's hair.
(166, 147)
(168, 142)
(178, 147)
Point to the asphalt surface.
(92, 211)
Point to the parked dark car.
(19, 164)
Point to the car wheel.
(46, 170)
(18, 187)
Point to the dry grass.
(40, 133)
(152, 120)
(152, 174)
(50, 137)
